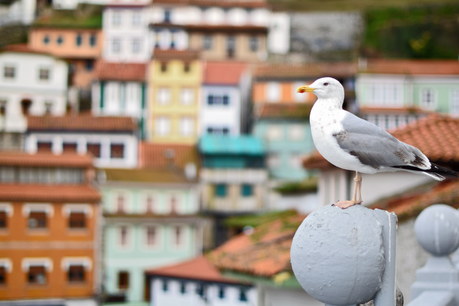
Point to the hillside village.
(158, 153)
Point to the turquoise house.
(150, 220)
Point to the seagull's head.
(325, 88)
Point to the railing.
(347, 257)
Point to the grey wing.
(375, 147)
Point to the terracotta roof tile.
(264, 253)
(223, 73)
(196, 269)
(412, 67)
(120, 71)
(165, 155)
(164, 175)
(283, 110)
(40, 159)
(80, 123)
(167, 55)
(48, 193)
(302, 71)
(22, 48)
(221, 3)
(437, 136)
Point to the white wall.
(279, 33)
(290, 297)
(130, 146)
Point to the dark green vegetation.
(13, 34)
(86, 16)
(257, 220)
(294, 188)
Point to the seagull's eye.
(325, 84)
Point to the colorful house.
(392, 93)
(197, 282)
(222, 108)
(233, 178)
(151, 218)
(175, 79)
(281, 115)
(49, 229)
(112, 141)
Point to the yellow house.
(175, 80)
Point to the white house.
(13, 12)
(220, 108)
(197, 282)
(31, 83)
(112, 141)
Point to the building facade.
(49, 228)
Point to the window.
(163, 66)
(43, 74)
(77, 220)
(44, 146)
(218, 130)
(207, 42)
(2, 107)
(182, 287)
(163, 95)
(162, 125)
(274, 132)
(152, 236)
(187, 96)
(94, 149)
(9, 72)
(149, 204)
(78, 40)
(165, 285)
(3, 219)
(221, 292)
(178, 235)
(36, 275)
(75, 273)
(242, 295)
(116, 18)
(167, 16)
(60, 40)
(136, 18)
(186, 126)
(296, 132)
(428, 98)
(246, 190)
(25, 105)
(186, 67)
(89, 65)
(116, 46)
(92, 40)
(120, 204)
(116, 150)
(2, 275)
(172, 45)
(46, 39)
(230, 46)
(123, 280)
(123, 236)
(37, 220)
(273, 160)
(454, 108)
(218, 99)
(136, 45)
(48, 107)
(253, 43)
(200, 290)
(273, 92)
(220, 190)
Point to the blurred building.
(14, 12)
(49, 225)
(198, 282)
(175, 79)
(233, 178)
(151, 218)
(112, 141)
(393, 93)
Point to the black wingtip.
(435, 171)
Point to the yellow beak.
(303, 89)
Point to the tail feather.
(435, 171)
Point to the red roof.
(167, 55)
(301, 71)
(221, 3)
(48, 193)
(45, 159)
(436, 136)
(121, 71)
(265, 253)
(223, 73)
(196, 269)
(164, 155)
(81, 123)
(412, 67)
(22, 48)
(283, 110)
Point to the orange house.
(49, 220)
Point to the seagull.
(351, 143)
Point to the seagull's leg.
(346, 204)
(358, 182)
